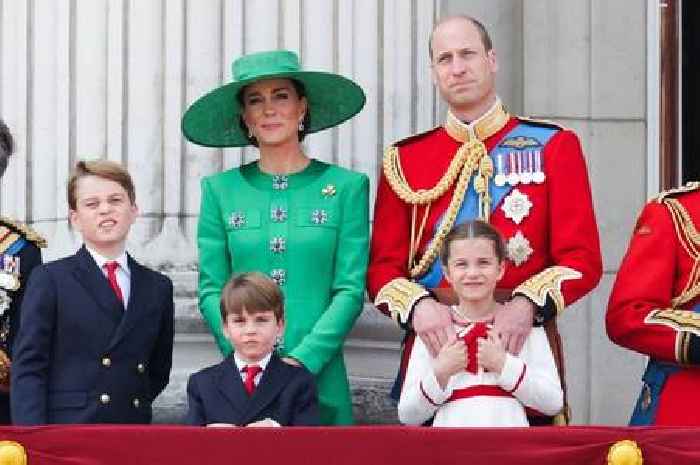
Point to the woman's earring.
(301, 125)
(250, 133)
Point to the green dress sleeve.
(214, 263)
(348, 283)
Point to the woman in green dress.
(302, 221)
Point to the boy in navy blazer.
(96, 335)
(253, 386)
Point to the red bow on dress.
(478, 330)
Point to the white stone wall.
(111, 78)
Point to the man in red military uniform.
(654, 306)
(527, 178)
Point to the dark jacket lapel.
(271, 383)
(96, 285)
(230, 385)
(139, 287)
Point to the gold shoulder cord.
(470, 157)
(464, 163)
(685, 322)
(28, 233)
(689, 237)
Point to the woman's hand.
(491, 352)
(451, 359)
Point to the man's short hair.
(483, 32)
(252, 292)
(7, 146)
(102, 169)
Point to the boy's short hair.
(253, 292)
(102, 169)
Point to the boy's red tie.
(112, 278)
(250, 372)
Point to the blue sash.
(16, 246)
(470, 206)
(538, 135)
(654, 379)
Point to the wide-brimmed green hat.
(213, 120)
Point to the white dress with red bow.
(474, 397)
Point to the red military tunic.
(650, 308)
(549, 227)
(564, 263)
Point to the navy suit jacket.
(79, 357)
(285, 393)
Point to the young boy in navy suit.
(253, 386)
(96, 336)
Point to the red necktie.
(112, 278)
(250, 372)
(477, 331)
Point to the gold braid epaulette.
(542, 122)
(547, 283)
(27, 232)
(397, 181)
(400, 295)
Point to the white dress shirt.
(123, 273)
(241, 364)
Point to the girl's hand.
(491, 352)
(451, 359)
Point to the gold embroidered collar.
(482, 128)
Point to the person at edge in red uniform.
(527, 178)
(654, 305)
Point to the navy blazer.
(79, 357)
(285, 393)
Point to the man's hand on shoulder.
(513, 321)
(433, 324)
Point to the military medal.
(9, 281)
(526, 173)
(516, 206)
(9, 264)
(9, 272)
(5, 301)
(519, 249)
(513, 178)
(538, 174)
(500, 178)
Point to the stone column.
(111, 79)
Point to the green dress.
(310, 232)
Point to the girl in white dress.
(474, 381)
